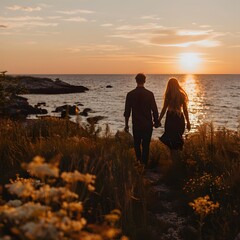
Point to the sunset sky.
(127, 36)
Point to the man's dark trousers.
(142, 139)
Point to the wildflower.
(22, 189)
(6, 237)
(113, 217)
(124, 238)
(26, 211)
(111, 233)
(40, 230)
(40, 169)
(71, 177)
(73, 206)
(52, 194)
(68, 225)
(203, 206)
(14, 203)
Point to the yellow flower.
(203, 206)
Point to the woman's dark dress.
(174, 129)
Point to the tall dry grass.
(210, 166)
(118, 182)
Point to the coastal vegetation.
(69, 180)
(206, 176)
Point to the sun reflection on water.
(196, 100)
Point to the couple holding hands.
(141, 103)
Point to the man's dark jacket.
(143, 106)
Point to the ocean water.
(212, 98)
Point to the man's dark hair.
(140, 78)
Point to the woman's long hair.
(175, 96)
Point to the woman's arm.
(163, 111)
(185, 111)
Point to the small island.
(38, 85)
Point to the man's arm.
(127, 112)
(155, 112)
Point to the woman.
(175, 101)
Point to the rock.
(85, 112)
(109, 86)
(64, 114)
(78, 104)
(72, 110)
(40, 104)
(94, 120)
(18, 108)
(36, 85)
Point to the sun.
(190, 61)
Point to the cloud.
(148, 59)
(75, 19)
(155, 34)
(184, 38)
(95, 48)
(20, 19)
(148, 26)
(193, 32)
(150, 17)
(23, 8)
(26, 21)
(77, 11)
(204, 26)
(235, 46)
(106, 25)
(54, 17)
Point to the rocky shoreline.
(16, 107)
(37, 85)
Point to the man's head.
(140, 78)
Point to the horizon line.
(122, 73)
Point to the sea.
(212, 98)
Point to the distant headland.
(37, 85)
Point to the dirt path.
(166, 210)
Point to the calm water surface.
(211, 97)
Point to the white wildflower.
(26, 211)
(68, 225)
(71, 177)
(73, 206)
(6, 237)
(21, 189)
(14, 203)
(40, 230)
(52, 194)
(111, 233)
(40, 169)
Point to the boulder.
(72, 110)
(85, 112)
(94, 120)
(18, 108)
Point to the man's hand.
(126, 129)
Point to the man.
(141, 103)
